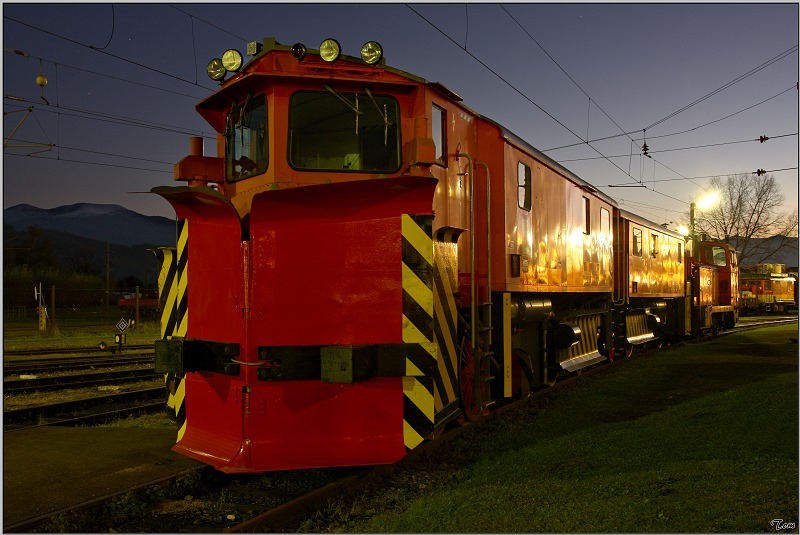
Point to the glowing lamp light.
(371, 52)
(682, 230)
(708, 201)
(330, 50)
(232, 60)
(215, 69)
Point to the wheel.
(522, 374)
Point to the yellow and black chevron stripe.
(417, 281)
(166, 289)
(182, 300)
(445, 283)
(173, 303)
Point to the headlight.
(371, 52)
(330, 50)
(216, 70)
(232, 60)
(298, 51)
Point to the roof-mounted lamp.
(371, 52)
(330, 50)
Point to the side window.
(719, 256)
(439, 132)
(637, 242)
(586, 216)
(654, 245)
(524, 186)
(246, 140)
(605, 224)
(680, 253)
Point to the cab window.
(246, 139)
(637, 242)
(524, 186)
(605, 224)
(344, 131)
(716, 255)
(585, 215)
(438, 131)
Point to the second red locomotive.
(364, 260)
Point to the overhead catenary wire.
(125, 121)
(465, 45)
(707, 176)
(635, 182)
(726, 86)
(684, 148)
(115, 56)
(113, 26)
(117, 78)
(613, 136)
(566, 74)
(518, 91)
(110, 154)
(116, 165)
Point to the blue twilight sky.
(702, 81)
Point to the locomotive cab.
(714, 276)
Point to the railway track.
(53, 365)
(288, 513)
(64, 382)
(74, 350)
(79, 411)
(78, 390)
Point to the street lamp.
(704, 203)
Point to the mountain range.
(95, 229)
(92, 230)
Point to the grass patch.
(702, 438)
(147, 421)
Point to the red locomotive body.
(650, 289)
(767, 288)
(714, 275)
(365, 260)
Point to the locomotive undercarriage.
(525, 341)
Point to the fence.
(83, 309)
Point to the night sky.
(702, 83)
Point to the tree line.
(30, 259)
(749, 217)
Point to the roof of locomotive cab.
(650, 224)
(514, 139)
(215, 107)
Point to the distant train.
(147, 305)
(364, 260)
(768, 289)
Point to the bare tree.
(748, 217)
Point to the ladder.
(481, 313)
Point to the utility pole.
(108, 274)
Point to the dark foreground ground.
(700, 438)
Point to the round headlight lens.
(371, 52)
(232, 60)
(330, 50)
(216, 70)
(298, 51)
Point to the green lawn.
(702, 438)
